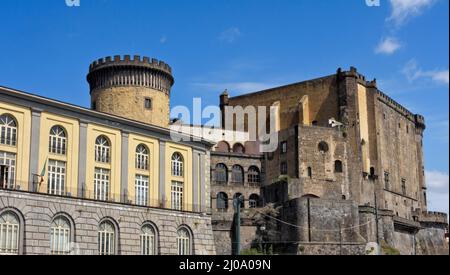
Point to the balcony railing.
(109, 197)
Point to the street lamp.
(237, 202)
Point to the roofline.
(279, 87)
(83, 110)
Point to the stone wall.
(331, 249)
(38, 211)
(129, 102)
(323, 103)
(431, 241)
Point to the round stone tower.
(137, 89)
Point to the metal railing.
(109, 197)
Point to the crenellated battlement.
(360, 78)
(124, 71)
(126, 60)
(433, 217)
(419, 120)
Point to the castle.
(348, 171)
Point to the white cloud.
(438, 191)
(437, 181)
(236, 87)
(403, 10)
(412, 72)
(163, 39)
(388, 46)
(230, 35)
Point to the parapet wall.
(117, 71)
(433, 217)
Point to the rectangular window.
(284, 147)
(8, 135)
(147, 244)
(141, 161)
(7, 170)
(284, 168)
(59, 241)
(56, 177)
(102, 153)
(148, 103)
(106, 243)
(177, 195)
(142, 190)
(183, 246)
(57, 144)
(101, 184)
(386, 181)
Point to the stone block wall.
(38, 211)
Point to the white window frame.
(8, 130)
(177, 195)
(60, 237)
(9, 160)
(177, 165)
(9, 233)
(183, 242)
(142, 189)
(106, 238)
(254, 176)
(57, 143)
(101, 184)
(148, 240)
(142, 157)
(56, 177)
(102, 150)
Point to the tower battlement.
(126, 60)
(126, 71)
(132, 86)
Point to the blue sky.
(243, 46)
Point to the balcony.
(108, 197)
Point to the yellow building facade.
(115, 163)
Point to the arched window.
(184, 242)
(237, 196)
(222, 201)
(7, 170)
(9, 233)
(323, 147)
(8, 130)
(238, 148)
(254, 201)
(338, 166)
(254, 177)
(60, 236)
(237, 174)
(177, 165)
(57, 143)
(223, 147)
(102, 149)
(148, 240)
(142, 157)
(221, 173)
(106, 238)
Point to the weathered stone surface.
(128, 218)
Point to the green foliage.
(389, 250)
(251, 252)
